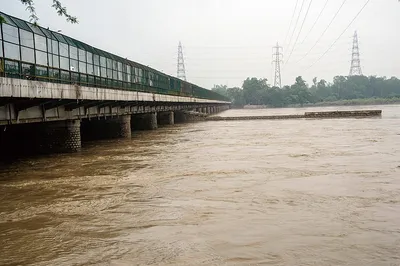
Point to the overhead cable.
(301, 28)
(326, 29)
(291, 20)
(348, 26)
(295, 25)
(316, 21)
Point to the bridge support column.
(61, 136)
(107, 128)
(179, 117)
(165, 118)
(40, 138)
(144, 121)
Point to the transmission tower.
(355, 69)
(181, 72)
(277, 60)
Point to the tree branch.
(30, 7)
(62, 11)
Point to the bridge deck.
(25, 101)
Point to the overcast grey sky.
(226, 41)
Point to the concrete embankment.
(309, 115)
(340, 114)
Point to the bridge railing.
(32, 52)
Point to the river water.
(287, 192)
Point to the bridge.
(56, 90)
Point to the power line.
(295, 25)
(326, 29)
(301, 28)
(348, 26)
(198, 48)
(291, 20)
(316, 21)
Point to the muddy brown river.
(292, 192)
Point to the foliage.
(61, 11)
(235, 94)
(367, 101)
(342, 91)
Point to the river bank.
(353, 102)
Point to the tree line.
(343, 89)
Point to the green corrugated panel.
(77, 44)
(103, 53)
(59, 37)
(88, 48)
(36, 29)
(69, 40)
(122, 60)
(41, 71)
(98, 52)
(21, 24)
(1, 65)
(11, 67)
(48, 33)
(8, 19)
(110, 55)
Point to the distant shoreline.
(354, 102)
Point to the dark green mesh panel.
(48, 33)
(8, 19)
(59, 37)
(36, 29)
(21, 24)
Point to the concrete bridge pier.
(145, 121)
(40, 138)
(106, 128)
(180, 117)
(61, 136)
(165, 118)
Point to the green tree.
(339, 83)
(274, 97)
(221, 89)
(344, 89)
(300, 92)
(254, 90)
(236, 96)
(323, 91)
(30, 7)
